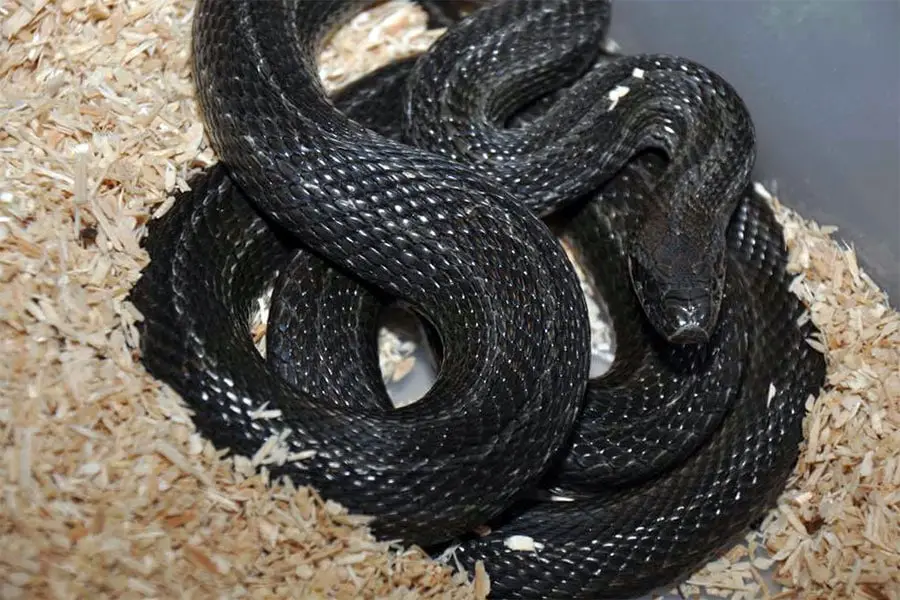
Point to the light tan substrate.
(107, 491)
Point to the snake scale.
(443, 183)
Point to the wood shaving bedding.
(106, 489)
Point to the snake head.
(680, 286)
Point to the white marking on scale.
(522, 543)
(617, 94)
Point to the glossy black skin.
(666, 458)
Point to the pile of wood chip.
(106, 490)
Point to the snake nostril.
(688, 313)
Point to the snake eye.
(646, 289)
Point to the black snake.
(422, 185)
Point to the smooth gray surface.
(822, 81)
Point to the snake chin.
(682, 305)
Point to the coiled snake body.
(425, 184)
